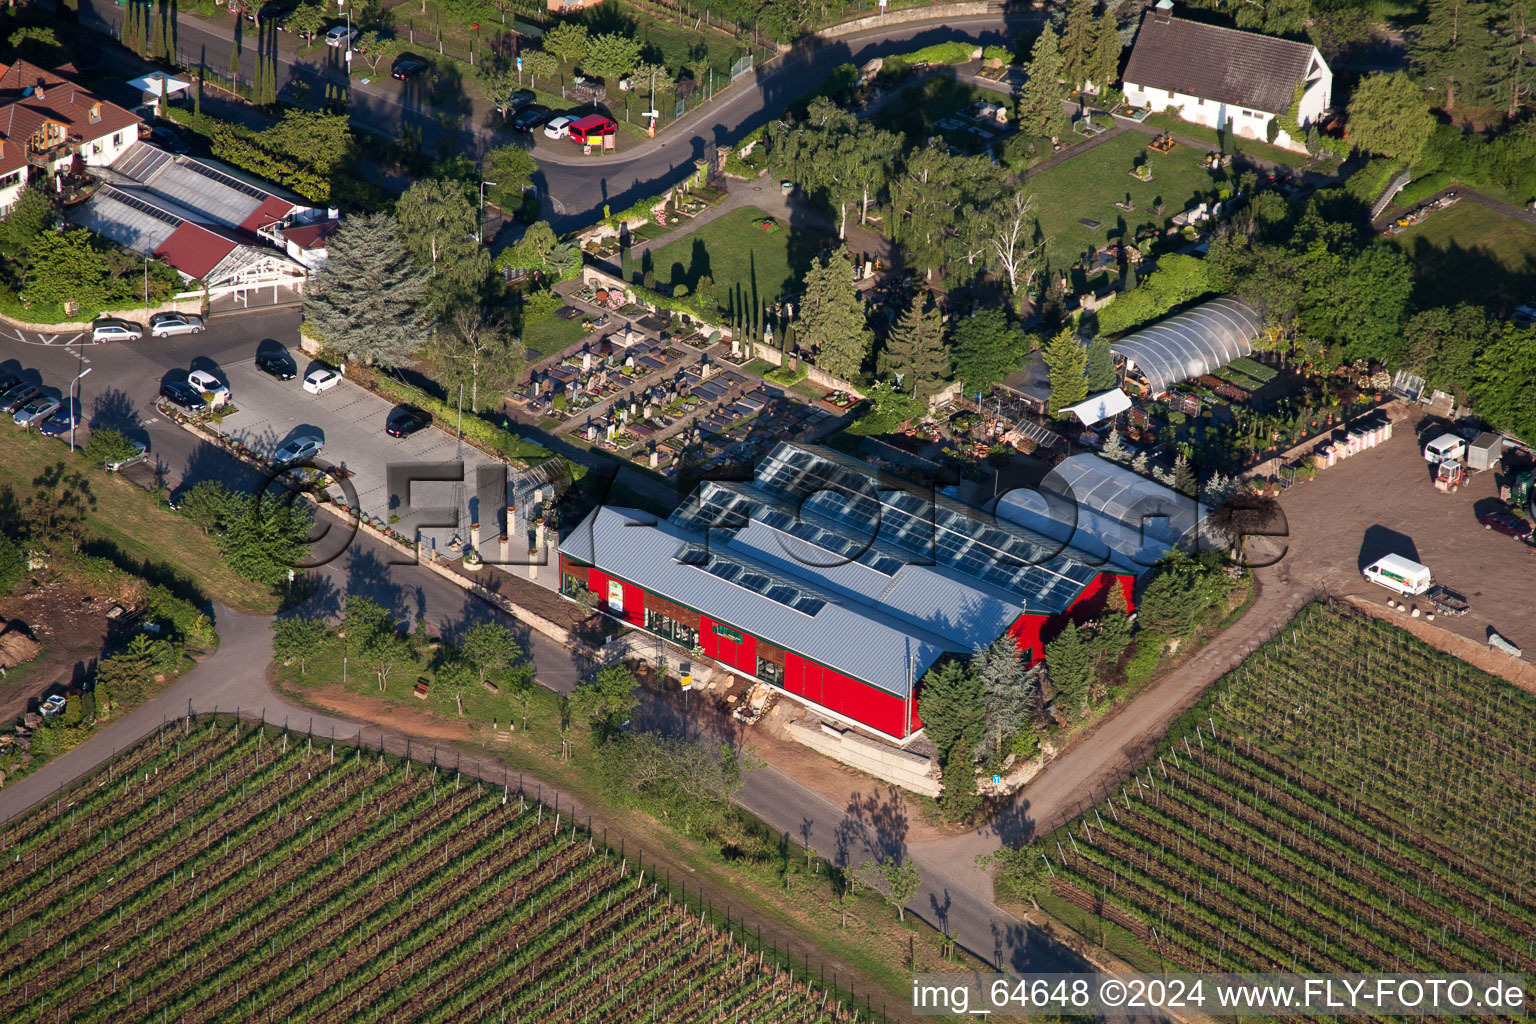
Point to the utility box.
(1483, 453)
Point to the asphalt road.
(576, 188)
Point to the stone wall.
(927, 12)
(909, 771)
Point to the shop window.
(679, 633)
(770, 672)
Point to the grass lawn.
(143, 530)
(921, 107)
(1470, 249)
(1087, 186)
(547, 336)
(1250, 147)
(738, 255)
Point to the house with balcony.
(51, 128)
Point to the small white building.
(1224, 77)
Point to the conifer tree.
(368, 301)
(1115, 449)
(1079, 44)
(1040, 99)
(1069, 665)
(1451, 49)
(1068, 362)
(1104, 68)
(832, 321)
(1101, 366)
(915, 350)
(1008, 692)
(1183, 475)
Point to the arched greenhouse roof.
(1195, 342)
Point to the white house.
(1224, 77)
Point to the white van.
(1445, 448)
(1398, 573)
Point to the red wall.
(1033, 632)
(634, 597)
(740, 655)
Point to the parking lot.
(350, 421)
(1383, 501)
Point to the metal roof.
(1194, 342)
(110, 215)
(202, 192)
(854, 639)
(1106, 510)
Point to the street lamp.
(480, 220)
(74, 409)
(347, 52)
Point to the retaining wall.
(909, 771)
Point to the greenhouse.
(1193, 343)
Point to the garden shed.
(1195, 342)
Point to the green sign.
(725, 631)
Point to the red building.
(835, 584)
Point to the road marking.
(47, 339)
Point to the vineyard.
(1348, 799)
(220, 871)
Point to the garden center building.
(841, 586)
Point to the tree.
(65, 265)
(645, 77)
(937, 205)
(498, 75)
(1115, 449)
(1079, 44)
(206, 503)
(455, 675)
(512, 169)
(1514, 53)
(1104, 63)
(1068, 362)
(474, 350)
(987, 348)
(379, 49)
(610, 56)
(297, 639)
(1243, 514)
(951, 704)
(607, 699)
(1069, 665)
(126, 675)
(383, 653)
(308, 19)
(491, 648)
(1451, 49)
(60, 507)
(836, 155)
(1183, 475)
(29, 217)
(1008, 694)
(894, 879)
(107, 445)
(266, 535)
(362, 618)
(367, 301)
(13, 565)
(832, 321)
(1101, 366)
(1112, 636)
(1388, 116)
(1016, 243)
(915, 350)
(1040, 98)
(1178, 279)
(568, 41)
(439, 224)
(541, 63)
(520, 680)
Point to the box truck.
(1398, 573)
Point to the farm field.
(1349, 799)
(1471, 249)
(1087, 186)
(219, 870)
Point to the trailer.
(1446, 600)
(1484, 452)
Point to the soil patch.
(71, 624)
(386, 714)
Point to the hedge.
(477, 428)
(1368, 182)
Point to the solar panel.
(748, 577)
(225, 179)
(138, 204)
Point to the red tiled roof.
(22, 112)
(271, 210)
(194, 250)
(308, 236)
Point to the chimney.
(39, 92)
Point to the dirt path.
(392, 717)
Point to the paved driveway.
(350, 421)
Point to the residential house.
(1225, 78)
(47, 123)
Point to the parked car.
(406, 420)
(559, 127)
(113, 329)
(520, 99)
(529, 118)
(321, 378)
(52, 705)
(590, 130)
(163, 325)
(207, 384)
(180, 393)
(36, 411)
(340, 36)
(277, 365)
(170, 141)
(140, 453)
(60, 423)
(8, 382)
(18, 396)
(407, 66)
(298, 450)
(1506, 523)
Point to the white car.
(321, 378)
(163, 325)
(113, 329)
(207, 384)
(340, 36)
(297, 450)
(559, 127)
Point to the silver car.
(163, 325)
(36, 411)
(113, 329)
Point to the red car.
(591, 129)
(1506, 523)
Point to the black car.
(18, 396)
(179, 392)
(520, 99)
(267, 12)
(9, 381)
(531, 117)
(405, 421)
(408, 67)
(168, 140)
(277, 365)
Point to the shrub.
(1368, 182)
(1143, 663)
(13, 565)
